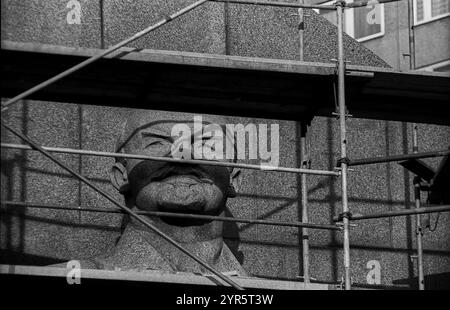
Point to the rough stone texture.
(46, 22)
(321, 40)
(201, 30)
(43, 236)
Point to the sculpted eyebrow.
(156, 133)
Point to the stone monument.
(169, 187)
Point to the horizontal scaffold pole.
(174, 160)
(386, 159)
(106, 52)
(364, 3)
(279, 4)
(173, 215)
(130, 212)
(431, 209)
(355, 4)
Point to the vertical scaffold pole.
(343, 140)
(301, 28)
(303, 163)
(419, 231)
(304, 190)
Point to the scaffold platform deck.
(233, 85)
(154, 276)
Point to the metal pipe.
(343, 141)
(358, 217)
(173, 160)
(419, 234)
(364, 3)
(126, 209)
(102, 54)
(353, 217)
(173, 215)
(301, 28)
(385, 159)
(304, 203)
(419, 231)
(411, 39)
(279, 4)
(303, 163)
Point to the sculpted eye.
(154, 143)
(154, 140)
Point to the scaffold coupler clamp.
(306, 164)
(336, 68)
(425, 186)
(340, 3)
(419, 230)
(342, 284)
(168, 17)
(417, 180)
(301, 24)
(343, 160)
(421, 184)
(347, 115)
(343, 215)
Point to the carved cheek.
(217, 199)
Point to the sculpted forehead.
(159, 120)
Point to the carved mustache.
(147, 172)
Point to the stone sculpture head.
(171, 187)
(150, 185)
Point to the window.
(362, 23)
(443, 66)
(428, 10)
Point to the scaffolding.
(342, 221)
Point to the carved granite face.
(168, 187)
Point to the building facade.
(384, 29)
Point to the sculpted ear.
(235, 182)
(119, 178)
